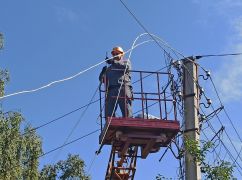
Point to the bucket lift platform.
(149, 134)
(131, 138)
(126, 135)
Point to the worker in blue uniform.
(117, 78)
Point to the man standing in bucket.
(117, 79)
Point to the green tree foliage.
(21, 147)
(222, 171)
(19, 151)
(4, 78)
(72, 168)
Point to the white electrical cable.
(53, 82)
(133, 47)
(68, 78)
(136, 39)
(91, 67)
(164, 43)
(131, 50)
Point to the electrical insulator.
(178, 62)
(173, 61)
(179, 93)
(209, 101)
(208, 74)
(202, 117)
(201, 90)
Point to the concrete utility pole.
(191, 105)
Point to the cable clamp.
(189, 95)
(192, 129)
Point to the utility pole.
(191, 105)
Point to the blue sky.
(51, 40)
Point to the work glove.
(109, 61)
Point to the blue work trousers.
(124, 101)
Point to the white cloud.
(219, 3)
(229, 77)
(231, 3)
(238, 27)
(64, 14)
(224, 8)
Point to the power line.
(174, 50)
(98, 151)
(238, 154)
(116, 104)
(113, 111)
(225, 147)
(226, 113)
(92, 162)
(189, 73)
(219, 121)
(231, 156)
(144, 28)
(77, 123)
(228, 151)
(68, 78)
(64, 115)
(95, 155)
(75, 110)
(53, 82)
(104, 134)
(224, 109)
(48, 152)
(66, 144)
(148, 75)
(234, 54)
(133, 46)
(218, 55)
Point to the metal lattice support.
(122, 166)
(144, 132)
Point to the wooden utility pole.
(191, 105)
